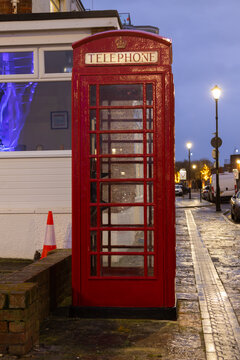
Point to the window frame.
(22, 77)
(42, 74)
(39, 65)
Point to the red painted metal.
(109, 270)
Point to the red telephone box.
(123, 173)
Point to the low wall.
(28, 296)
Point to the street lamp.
(189, 145)
(216, 93)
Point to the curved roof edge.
(136, 33)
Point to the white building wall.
(33, 183)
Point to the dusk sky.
(206, 52)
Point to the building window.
(54, 5)
(55, 62)
(58, 61)
(17, 64)
(26, 115)
(35, 94)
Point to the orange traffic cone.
(50, 241)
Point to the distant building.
(39, 6)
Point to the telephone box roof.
(135, 33)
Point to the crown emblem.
(120, 43)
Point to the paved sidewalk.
(208, 292)
(195, 201)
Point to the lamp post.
(194, 167)
(216, 93)
(189, 145)
(238, 167)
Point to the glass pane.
(121, 241)
(92, 120)
(149, 143)
(93, 266)
(25, 115)
(93, 168)
(118, 168)
(16, 63)
(93, 95)
(58, 61)
(93, 192)
(150, 241)
(121, 95)
(150, 265)
(149, 118)
(121, 193)
(93, 241)
(123, 216)
(122, 265)
(149, 94)
(93, 144)
(121, 144)
(150, 168)
(150, 216)
(93, 216)
(121, 119)
(150, 192)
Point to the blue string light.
(15, 98)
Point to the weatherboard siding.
(35, 183)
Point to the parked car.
(235, 207)
(185, 189)
(205, 192)
(178, 190)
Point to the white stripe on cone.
(50, 236)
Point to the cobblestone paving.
(222, 242)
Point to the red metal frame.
(154, 290)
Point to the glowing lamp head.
(194, 166)
(189, 145)
(238, 161)
(216, 92)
